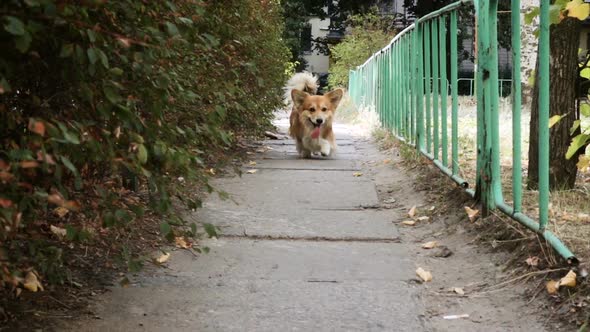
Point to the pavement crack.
(311, 238)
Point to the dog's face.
(315, 111)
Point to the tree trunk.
(563, 76)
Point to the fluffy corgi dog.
(311, 117)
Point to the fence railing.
(402, 83)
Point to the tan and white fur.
(312, 116)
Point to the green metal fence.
(402, 83)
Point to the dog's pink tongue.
(315, 133)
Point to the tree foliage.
(368, 33)
(152, 90)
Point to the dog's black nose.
(319, 121)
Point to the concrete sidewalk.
(306, 246)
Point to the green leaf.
(69, 165)
(14, 26)
(23, 42)
(575, 126)
(172, 29)
(554, 14)
(193, 229)
(577, 143)
(585, 73)
(530, 16)
(555, 119)
(116, 71)
(165, 229)
(210, 230)
(142, 154)
(112, 95)
(585, 109)
(103, 58)
(91, 53)
(91, 35)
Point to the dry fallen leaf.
(163, 258)
(471, 213)
(429, 245)
(251, 171)
(58, 231)
(31, 282)
(423, 218)
(357, 174)
(252, 163)
(386, 161)
(552, 286)
(409, 222)
(412, 212)
(532, 261)
(181, 242)
(459, 290)
(61, 211)
(424, 275)
(431, 208)
(569, 280)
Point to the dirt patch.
(479, 268)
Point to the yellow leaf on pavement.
(163, 258)
(412, 212)
(424, 275)
(251, 171)
(357, 174)
(409, 222)
(459, 290)
(429, 245)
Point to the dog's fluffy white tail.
(304, 81)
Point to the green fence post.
(428, 86)
(484, 188)
(419, 42)
(443, 88)
(455, 93)
(435, 86)
(544, 90)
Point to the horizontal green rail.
(409, 83)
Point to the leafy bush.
(99, 95)
(368, 34)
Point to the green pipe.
(455, 93)
(435, 84)
(443, 88)
(547, 235)
(543, 81)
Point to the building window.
(306, 39)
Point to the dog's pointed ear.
(298, 97)
(335, 96)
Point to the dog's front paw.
(326, 149)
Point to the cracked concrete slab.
(245, 285)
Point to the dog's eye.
(324, 109)
(312, 109)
